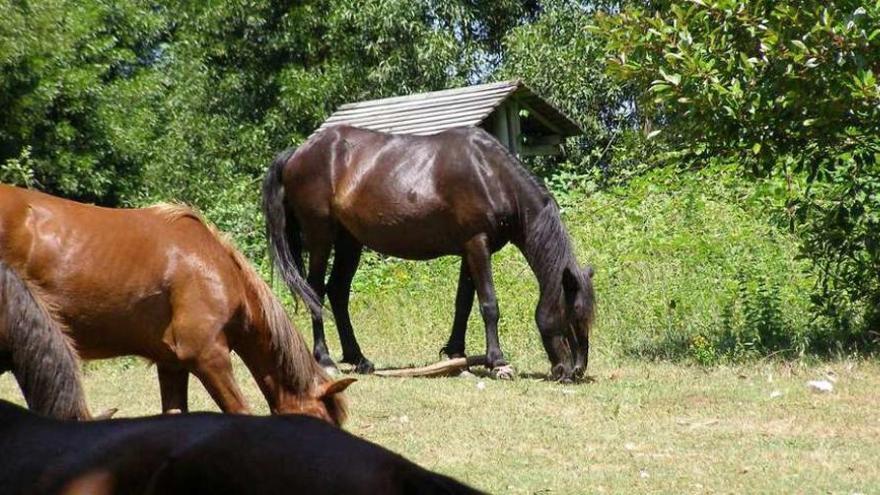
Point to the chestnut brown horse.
(159, 282)
(460, 193)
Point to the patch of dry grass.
(641, 427)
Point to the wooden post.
(513, 127)
(500, 124)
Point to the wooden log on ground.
(448, 367)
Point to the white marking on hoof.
(331, 370)
(505, 372)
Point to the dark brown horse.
(460, 193)
(203, 453)
(155, 282)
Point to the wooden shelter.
(523, 121)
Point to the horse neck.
(275, 352)
(545, 245)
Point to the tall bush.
(789, 91)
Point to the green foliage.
(788, 91)
(563, 58)
(68, 72)
(753, 82)
(755, 323)
(681, 256)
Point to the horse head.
(579, 312)
(325, 402)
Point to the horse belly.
(403, 233)
(134, 326)
(110, 296)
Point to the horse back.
(388, 189)
(114, 276)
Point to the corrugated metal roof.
(434, 112)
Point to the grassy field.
(685, 267)
(658, 428)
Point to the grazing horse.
(159, 282)
(203, 453)
(460, 193)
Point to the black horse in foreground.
(460, 193)
(204, 453)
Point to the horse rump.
(202, 453)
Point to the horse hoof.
(106, 414)
(504, 372)
(331, 370)
(364, 367)
(449, 353)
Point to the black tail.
(283, 234)
(43, 361)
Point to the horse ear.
(330, 389)
(569, 282)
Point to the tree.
(75, 76)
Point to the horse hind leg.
(464, 303)
(345, 264)
(173, 386)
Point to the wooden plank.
(443, 368)
(541, 140)
(513, 126)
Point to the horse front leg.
(214, 369)
(479, 262)
(464, 303)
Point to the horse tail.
(283, 234)
(43, 360)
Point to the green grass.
(641, 427)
